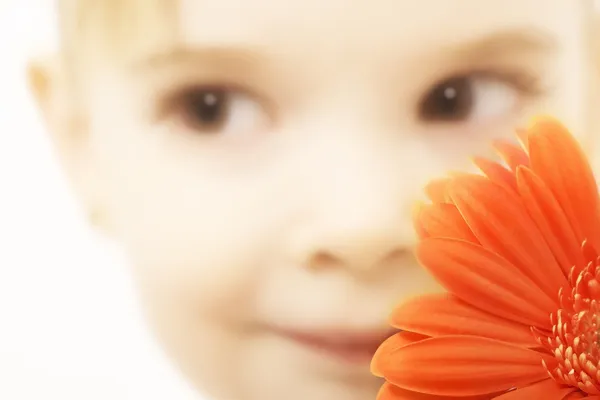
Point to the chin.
(281, 382)
(274, 368)
(266, 367)
(314, 390)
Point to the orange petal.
(500, 221)
(522, 136)
(444, 220)
(390, 345)
(550, 219)
(547, 389)
(496, 172)
(486, 281)
(560, 162)
(417, 222)
(444, 314)
(513, 155)
(391, 392)
(436, 190)
(463, 366)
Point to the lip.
(345, 345)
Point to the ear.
(66, 122)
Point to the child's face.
(261, 173)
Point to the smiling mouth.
(347, 346)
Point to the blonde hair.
(91, 29)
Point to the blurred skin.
(261, 172)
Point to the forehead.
(315, 24)
(347, 25)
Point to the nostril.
(397, 256)
(324, 260)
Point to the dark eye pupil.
(207, 108)
(451, 100)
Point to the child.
(258, 159)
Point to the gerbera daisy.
(516, 249)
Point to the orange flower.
(517, 251)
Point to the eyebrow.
(249, 60)
(212, 57)
(508, 42)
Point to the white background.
(70, 328)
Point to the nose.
(359, 210)
(364, 240)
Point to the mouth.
(344, 345)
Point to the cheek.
(192, 246)
(188, 231)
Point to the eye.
(216, 110)
(470, 97)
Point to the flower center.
(575, 338)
